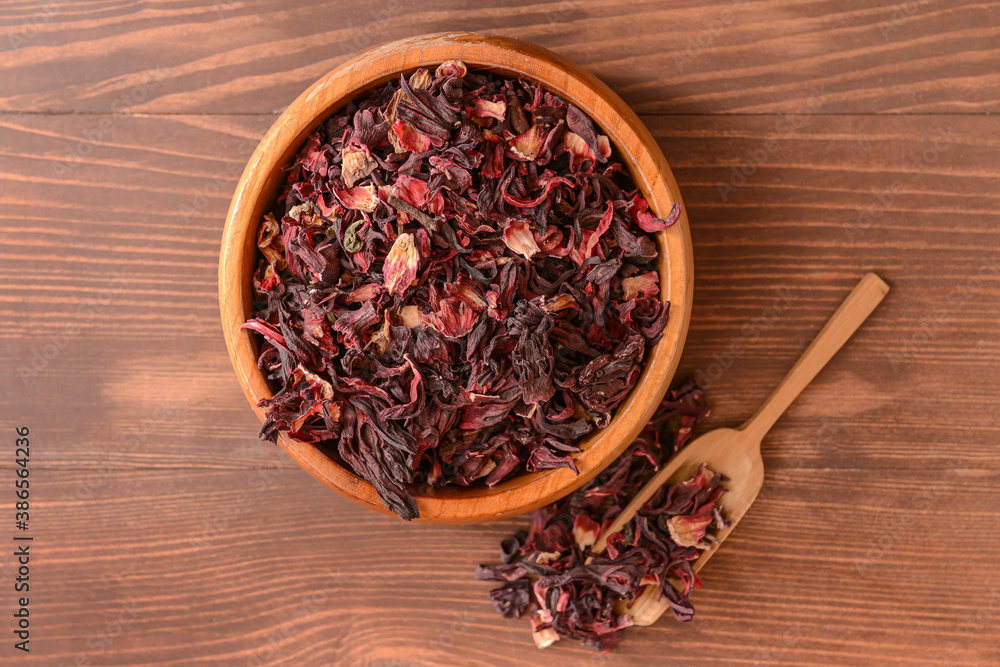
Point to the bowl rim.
(640, 153)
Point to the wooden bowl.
(261, 182)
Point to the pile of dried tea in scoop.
(458, 282)
(546, 569)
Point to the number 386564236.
(21, 457)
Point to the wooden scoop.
(736, 452)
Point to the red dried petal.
(366, 292)
(649, 222)
(518, 237)
(451, 68)
(405, 138)
(269, 240)
(360, 198)
(270, 280)
(528, 145)
(585, 530)
(592, 237)
(542, 631)
(355, 165)
(603, 146)
(689, 530)
(644, 284)
(548, 185)
(579, 151)
(415, 191)
(454, 318)
(410, 189)
(400, 268)
(267, 330)
(483, 108)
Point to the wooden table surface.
(812, 142)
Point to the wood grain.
(874, 538)
(864, 470)
(724, 56)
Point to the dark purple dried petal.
(512, 599)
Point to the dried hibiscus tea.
(459, 281)
(551, 572)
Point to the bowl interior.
(264, 179)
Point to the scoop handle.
(855, 309)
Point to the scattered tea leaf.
(574, 591)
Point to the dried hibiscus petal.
(457, 283)
(512, 599)
(361, 198)
(518, 237)
(576, 591)
(355, 165)
(400, 268)
(689, 530)
(646, 284)
(528, 145)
